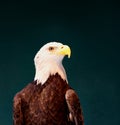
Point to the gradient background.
(90, 28)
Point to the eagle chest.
(50, 100)
(53, 97)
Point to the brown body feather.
(47, 104)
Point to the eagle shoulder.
(18, 116)
(74, 107)
(19, 102)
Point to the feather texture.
(45, 104)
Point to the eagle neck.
(44, 71)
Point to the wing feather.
(74, 107)
(17, 111)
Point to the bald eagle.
(48, 100)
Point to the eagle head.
(48, 61)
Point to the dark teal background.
(90, 28)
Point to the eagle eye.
(51, 48)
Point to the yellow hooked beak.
(65, 50)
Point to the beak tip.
(68, 56)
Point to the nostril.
(62, 47)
